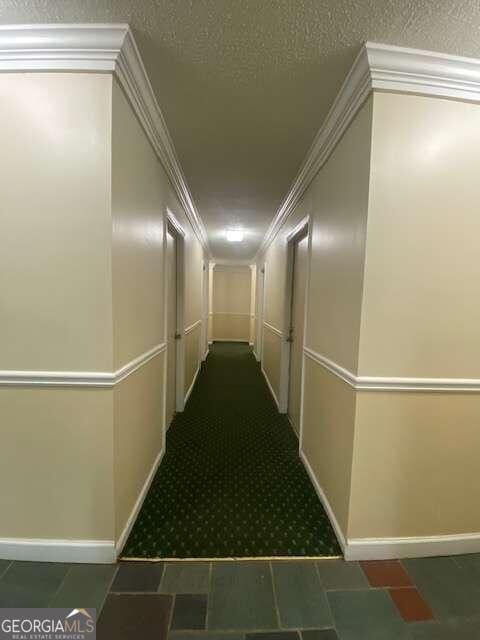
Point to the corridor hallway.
(231, 484)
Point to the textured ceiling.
(245, 84)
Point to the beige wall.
(271, 355)
(231, 303)
(339, 209)
(337, 203)
(55, 295)
(139, 188)
(420, 318)
(83, 211)
(415, 467)
(141, 196)
(55, 274)
(138, 434)
(421, 310)
(328, 430)
(392, 292)
(192, 353)
(56, 463)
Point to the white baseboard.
(394, 548)
(274, 395)
(256, 355)
(190, 388)
(205, 355)
(43, 550)
(415, 547)
(324, 500)
(231, 340)
(138, 504)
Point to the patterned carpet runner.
(231, 483)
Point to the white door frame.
(205, 311)
(176, 229)
(303, 229)
(260, 306)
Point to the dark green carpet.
(231, 483)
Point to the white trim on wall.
(138, 504)
(393, 548)
(190, 388)
(230, 313)
(274, 395)
(46, 550)
(108, 48)
(324, 500)
(385, 383)
(378, 67)
(79, 378)
(192, 327)
(273, 329)
(300, 231)
(411, 547)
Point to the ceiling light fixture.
(234, 235)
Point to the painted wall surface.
(231, 303)
(55, 299)
(138, 434)
(421, 309)
(393, 276)
(415, 469)
(275, 261)
(81, 285)
(271, 356)
(139, 188)
(339, 208)
(55, 274)
(141, 196)
(328, 433)
(192, 353)
(420, 318)
(56, 463)
(337, 202)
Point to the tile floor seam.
(107, 590)
(326, 598)
(170, 617)
(54, 595)
(161, 577)
(274, 593)
(7, 567)
(209, 589)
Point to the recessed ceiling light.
(234, 235)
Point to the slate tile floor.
(421, 599)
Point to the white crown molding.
(101, 48)
(384, 383)
(79, 378)
(384, 68)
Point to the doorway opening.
(291, 373)
(174, 306)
